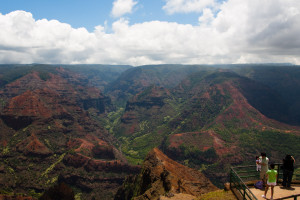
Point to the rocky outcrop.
(32, 96)
(33, 146)
(89, 164)
(25, 108)
(50, 122)
(16, 122)
(160, 175)
(15, 197)
(151, 105)
(152, 96)
(102, 104)
(103, 152)
(147, 103)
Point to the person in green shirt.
(272, 177)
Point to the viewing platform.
(279, 192)
(243, 178)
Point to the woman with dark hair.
(288, 170)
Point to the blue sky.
(90, 13)
(78, 13)
(139, 32)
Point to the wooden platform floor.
(279, 192)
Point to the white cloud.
(261, 30)
(121, 7)
(187, 6)
(42, 40)
(243, 31)
(207, 17)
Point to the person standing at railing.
(264, 162)
(272, 177)
(288, 170)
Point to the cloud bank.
(245, 31)
(122, 7)
(187, 6)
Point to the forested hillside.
(92, 125)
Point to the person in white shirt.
(264, 161)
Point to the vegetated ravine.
(90, 126)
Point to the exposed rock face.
(160, 175)
(33, 146)
(55, 124)
(15, 197)
(16, 122)
(152, 96)
(79, 160)
(33, 97)
(100, 104)
(48, 130)
(150, 105)
(242, 109)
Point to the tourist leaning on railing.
(288, 170)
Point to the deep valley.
(92, 126)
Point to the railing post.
(278, 171)
(230, 178)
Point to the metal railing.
(241, 175)
(239, 188)
(290, 197)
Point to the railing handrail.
(295, 195)
(278, 165)
(245, 166)
(240, 179)
(279, 169)
(247, 188)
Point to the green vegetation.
(166, 100)
(270, 141)
(194, 114)
(44, 75)
(6, 191)
(34, 194)
(113, 120)
(11, 73)
(47, 143)
(5, 150)
(226, 134)
(78, 196)
(282, 79)
(99, 73)
(195, 156)
(10, 192)
(137, 148)
(218, 195)
(11, 170)
(2, 103)
(45, 173)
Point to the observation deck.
(243, 178)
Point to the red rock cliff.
(160, 175)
